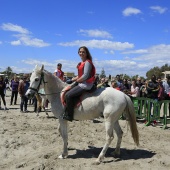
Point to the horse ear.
(42, 68)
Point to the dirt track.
(31, 142)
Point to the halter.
(41, 79)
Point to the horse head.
(35, 81)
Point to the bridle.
(40, 82)
(38, 87)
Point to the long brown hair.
(89, 57)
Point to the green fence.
(150, 110)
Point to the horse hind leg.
(119, 134)
(109, 138)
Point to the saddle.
(78, 100)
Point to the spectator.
(58, 72)
(134, 91)
(14, 87)
(119, 82)
(115, 85)
(126, 85)
(22, 88)
(166, 86)
(143, 89)
(161, 94)
(153, 89)
(139, 84)
(2, 91)
(103, 83)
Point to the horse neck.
(53, 85)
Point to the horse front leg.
(63, 132)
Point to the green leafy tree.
(102, 75)
(157, 71)
(8, 71)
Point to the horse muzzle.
(29, 94)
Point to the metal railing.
(152, 110)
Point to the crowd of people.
(155, 89)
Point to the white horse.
(112, 103)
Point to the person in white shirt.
(134, 91)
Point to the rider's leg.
(70, 95)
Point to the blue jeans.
(24, 101)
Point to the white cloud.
(100, 44)
(140, 51)
(14, 28)
(95, 33)
(131, 11)
(156, 53)
(17, 42)
(158, 9)
(24, 36)
(29, 41)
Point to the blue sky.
(124, 36)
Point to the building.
(69, 74)
(166, 73)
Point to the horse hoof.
(62, 157)
(115, 155)
(96, 163)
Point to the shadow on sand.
(126, 154)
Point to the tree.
(102, 75)
(157, 71)
(8, 71)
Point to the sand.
(30, 142)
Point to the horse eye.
(36, 79)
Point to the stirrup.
(67, 118)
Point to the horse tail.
(131, 117)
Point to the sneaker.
(26, 111)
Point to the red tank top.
(80, 68)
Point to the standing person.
(153, 89)
(22, 88)
(84, 81)
(103, 83)
(166, 85)
(139, 84)
(14, 87)
(161, 94)
(114, 85)
(119, 82)
(126, 85)
(134, 91)
(2, 91)
(58, 72)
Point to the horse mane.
(51, 76)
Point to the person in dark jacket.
(2, 91)
(14, 87)
(153, 90)
(22, 88)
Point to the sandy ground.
(33, 143)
